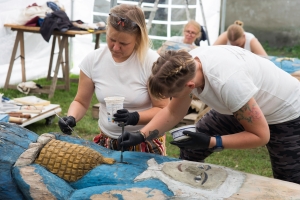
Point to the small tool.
(68, 125)
(122, 149)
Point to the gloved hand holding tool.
(66, 124)
(197, 140)
(130, 139)
(126, 117)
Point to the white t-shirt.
(249, 37)
(233, 75)
(178, 39)
(127, 79)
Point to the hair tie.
(122, 21)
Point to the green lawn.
(254, 161)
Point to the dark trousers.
(283, 147)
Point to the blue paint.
(24, 187)
(23, 133)
(150, 183)
(8, 187)
(54, 183)
(4, 117)
(119, 176)
(287, 65)
(56, 186)
(14, 140)
(133, 157)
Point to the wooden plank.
(48, 111)
(35, 29)
(197, 105)
(12, 60)
(202, 113)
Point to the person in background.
(191, 31)
(121, 68)
(236, 36)
(251, 105)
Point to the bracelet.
(143, 134)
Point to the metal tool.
(122, 149)
(68, 125)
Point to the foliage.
(293, 52)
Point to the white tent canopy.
(37, 50)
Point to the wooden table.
(62, 60)
(48, 113)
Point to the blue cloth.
(289, 65)
(53, 6)
(4, 117)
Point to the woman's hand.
(197, 140)
(126, 117)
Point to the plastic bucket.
(177, 132)
(112, 105)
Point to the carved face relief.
(196, 174)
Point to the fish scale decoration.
(70, 161)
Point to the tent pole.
(71, 40)
(223, 12)
(204, 21)
(187, 10)
(113, 3)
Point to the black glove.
(130, 139)
(128, 118)
(65, 122)
(197, 140)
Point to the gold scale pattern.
(70, 161)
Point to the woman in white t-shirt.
(191, 31)
(254, 103)
(236, 36)
(121, 68)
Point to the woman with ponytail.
(236, 36)
(251, 107)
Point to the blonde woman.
(121, 68)
(236, 36)
(191, 31)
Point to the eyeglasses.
(190, 33)
(116, 21)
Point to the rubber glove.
(66, 122)
(197, 140)
(130, 139)
(128, 118)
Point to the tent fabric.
(37, 50)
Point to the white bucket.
(112, 105)
(177, 132)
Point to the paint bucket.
(177, 132)
(112, 105)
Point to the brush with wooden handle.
(19, 115)
(15, 120)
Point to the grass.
(254, 161)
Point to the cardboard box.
(95, 111)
